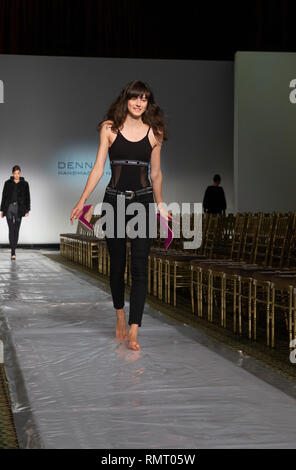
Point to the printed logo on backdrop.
(1, 92)
(292, 95)
(76, 167)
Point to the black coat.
(23, 196)
(214, 200)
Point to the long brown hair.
(153, 115)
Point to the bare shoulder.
(107, 124)
(156, 139)
(107, 132)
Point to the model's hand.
(164, 213)
(77, 211)
(1, 214)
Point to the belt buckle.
(129, 191)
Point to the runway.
(73, 385)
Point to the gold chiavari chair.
(249, 241)
(228, 231)
(203, 276)
(242, 277)
(238, 236)
(263, 239)
(91, 250)
(153, 262)
(211, 235)
(209, 284)
(290, 256)
(214, 281)
(268, 288)
(103, 257)
(279, 239)
(63, 244)
(70, 246)
(173, 268)
(220, 242)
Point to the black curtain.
(147, 29)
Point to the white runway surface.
(73, 385)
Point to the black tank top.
(130, 176)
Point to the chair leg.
(160, 283)
(191, 289)
(155, 267)
(210, 296)
(254, 308)
(175, 284)
(169, 282)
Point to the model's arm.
(155, 172)
(156, 178)
(96, 172)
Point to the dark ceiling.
(211, 30)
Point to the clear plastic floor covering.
(73, 385)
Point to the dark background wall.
(146, 29)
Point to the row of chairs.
(245, 267)
(79, 248)
(267, 239)
(263, 239)
(222, 275)
(245, 294)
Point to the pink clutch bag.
(86, 216)
(170, 236)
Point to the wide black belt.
(129, 194)
(129, 162)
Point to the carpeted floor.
(8, 438)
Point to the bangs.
(139, 89)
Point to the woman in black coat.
(15, 204)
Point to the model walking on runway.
(15, 204)
(132, 133)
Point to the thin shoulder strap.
(148, 131)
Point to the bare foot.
(121, 331)
(133, 337)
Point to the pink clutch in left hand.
(86, 216)
(170, 236)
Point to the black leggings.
(140, 248)
(14, 223)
